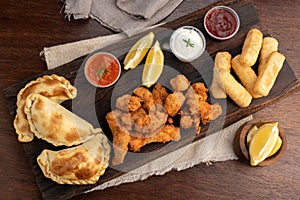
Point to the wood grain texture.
(26, 31)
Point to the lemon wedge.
(263, 142)
(250, 134)
(138, 51)
(154, 65)
(276, 147)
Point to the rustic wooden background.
(27, 26)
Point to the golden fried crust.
(155, 123)
(186, 122)
(134, 103)
(159, 94)
(180, 83)
(222, 62)
(166, 134)
(121, 138)
(209, 112)
(146, 97)
(197, 91)
(173, 103)
(55, 124)
(269, 45)
(246, 75)
(128, 103)
(54, 87)
(251, 47)
(267, 77)
(235, 90)
(83, 164)
(216, 87)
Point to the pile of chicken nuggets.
(148, 116)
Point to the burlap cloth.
(141, 8)
(190, 155)
(110, 15)
(200, 151)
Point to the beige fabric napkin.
(140, 8)
(185, 157)
(80, 9)
(61, 54)
(109, 14)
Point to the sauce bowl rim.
(234, 14)
(92, 55)
(180, 57)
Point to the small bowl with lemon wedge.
(260, 142)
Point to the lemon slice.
(138, 51)
(263, 143)
(277, 146)
(251, 134)
(154, 65)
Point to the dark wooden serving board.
(100, 100)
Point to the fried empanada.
(54, 87)
(251, 47)
(55, 124)
(83, 164)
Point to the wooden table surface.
(28, 26)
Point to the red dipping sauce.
(102, 69)
(221, 22)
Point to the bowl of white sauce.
(187, 43)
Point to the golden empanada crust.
(54, 87)
(83, 164)
(55, 124)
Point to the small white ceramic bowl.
(221, 22)
(187, 43)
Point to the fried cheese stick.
(235, 90)
(269, 45)
(251, 47)
(267, 77)
(246, 75)
(222, 61)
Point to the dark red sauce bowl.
(221, 22)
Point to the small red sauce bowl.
(221, 22)
(102, 69)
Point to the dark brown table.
(28, 26)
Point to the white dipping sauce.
(187, 43)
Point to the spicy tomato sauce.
(102, 69)
(221, 22)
